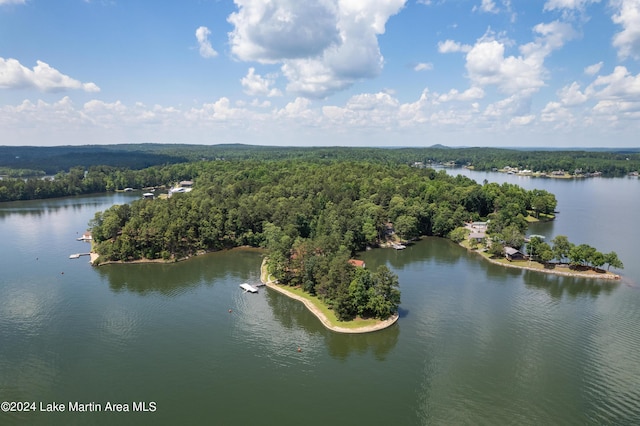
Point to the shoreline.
(381, 325)
(594, 275)
(94, 256)
(606, 275)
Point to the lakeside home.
(513, 254)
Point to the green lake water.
(476, 343)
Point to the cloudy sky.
(505, 73)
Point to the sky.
(503, 73)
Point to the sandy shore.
(321, 316)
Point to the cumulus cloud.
(255, 85)
(202, 35)
(619, 85)
(593, 69)
(450, 46)
(14, 75)
(571, 95)
(627, 41)
(487, 64)
(470, 94)
(423, 66)
(323, 46)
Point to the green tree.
(513, 236)
(580, 255)
(533, 247)
(561, 247)
(407, 227)
(384, 296)
(359, 291)
(597, 259)
(458, 235)
(496, 249)
(544, 253)
(611, 259)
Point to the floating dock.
(248, 288)
(77, 255)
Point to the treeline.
(55, 159)
(112, 167)
(51, 160)
(312, 216)
(78, 181)
(610, 164)
(563, 250)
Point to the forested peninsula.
(312, 208)
(312, 217)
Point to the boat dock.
(77, 255)
(248, 288)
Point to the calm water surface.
(476, 343)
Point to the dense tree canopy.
(311, 216)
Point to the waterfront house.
(512, 254)
(86, 237)
(479, 225)
(478, 236)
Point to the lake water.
(476, 343)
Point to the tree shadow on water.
(403, 313)
(558, 286)
(293, 314)
(379, 343)
(173, 278)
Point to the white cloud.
(627, 41)
(522, 120)
(323, 45)
(3, 2)
(202, 35)
(14, 75)
(593, 69)
(470, 94)
(555, 112)
(375, 118)
(450, 46)
(488, 6)
(513, 106)
(619, 85)
(255, 85)
(488, 65)
(423, 66)
(568, 4)
(571, 95)
(299, 109)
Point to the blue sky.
(560, 73)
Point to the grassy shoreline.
(322, 312)
(538, 267)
